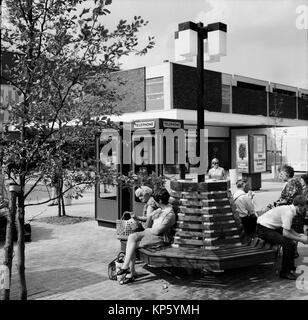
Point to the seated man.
(244, 210)
(274, 226)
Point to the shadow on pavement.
(57, 281)
(40, 233)
(259, 275)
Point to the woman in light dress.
(217, 172)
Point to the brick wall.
(132, 91)
(286, 104)
(249, 101)
(302, 109)
(185, 88)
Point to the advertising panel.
(242, 154)
(259, 153)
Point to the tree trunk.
(63, 206)
(62, 198)
(9, 246)
(58, 195)
(59, 207)
(21, 248)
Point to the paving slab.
(69, 262)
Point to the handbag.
(126, 226)
(115, 265)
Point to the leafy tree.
(242, 152)
(63, 64)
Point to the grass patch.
(64, 220)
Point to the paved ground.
(70, 262)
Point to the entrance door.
(220, 149)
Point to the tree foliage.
(63, 60)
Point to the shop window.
(155, 93)
(226, 98)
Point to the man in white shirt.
(274, 226)
(244, 209)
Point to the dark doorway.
(220, 148)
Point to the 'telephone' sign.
(144, 124)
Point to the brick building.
(233, 103)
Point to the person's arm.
(209, 174)
(167, 223)
(289, 234)
(295, 233)
(288, 193)
(149, 220)
(250, 206)
(150, 210)
(224, 174)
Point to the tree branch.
(42, 29)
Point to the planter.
(205, 219)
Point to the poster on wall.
(259, 153)
(242, 153)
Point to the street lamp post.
(190, 42)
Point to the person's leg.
(276, 237)
(130, 254)
(132, 264)
(249, 224)
(288, 252)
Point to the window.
(252, 86)
(285, 92)
(226, 98)
(155, 93)
(304, 96)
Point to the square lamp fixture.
(217, 39)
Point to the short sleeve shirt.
(218, 173)
(278, 217)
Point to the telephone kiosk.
(140, 146)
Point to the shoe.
(287, 275)
(127, 279)
(123, 272)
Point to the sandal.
(127, 280)
(123, 271)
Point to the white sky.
(263, 41)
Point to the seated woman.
(217, 172)
(144, 194)
(158, 231)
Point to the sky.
(263, 41)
